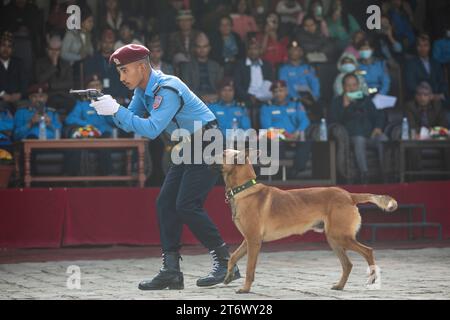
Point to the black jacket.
(242, 78)
(359, 118)
(14, 79)
(415, 73)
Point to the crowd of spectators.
(282, 64)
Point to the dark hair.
(130, 24)
(344, 14)
(367, 41)
(349, 75)
(423, 37)
(225, 16)
(236, 5)
(86, 13)
(309, 17)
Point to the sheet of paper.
(382, 101)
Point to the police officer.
(290, 116)
(299, 76)
(171, 105)
(82, 114)
(26, 120)
(374, 70)
(6, 127)
(229, 113)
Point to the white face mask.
(348, 67)
(260, 10)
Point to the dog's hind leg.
(235, 257)
(374, 280)
(345, 262)
(253, 247)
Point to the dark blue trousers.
(181, 201)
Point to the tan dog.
(263, 213)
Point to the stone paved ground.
(406, 274)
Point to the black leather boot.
(169, 275)
(220, 264)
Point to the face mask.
(260, 10)
(355, 95)
(348, 67)
(366, 54)
(318, 11)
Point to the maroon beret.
(128, 54)
(38, 88)
(278, 84)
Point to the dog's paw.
(242, 291)
(337, 287)
(374, 280)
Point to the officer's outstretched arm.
(156, 123)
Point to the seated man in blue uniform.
(299, 75)
(26, 120)
(302, 81)
(171, 105)
(229, 113)
(83, 115)
(6, 127)
(292, 118)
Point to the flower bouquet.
(6, 167)
(86, 132)
(439, 133)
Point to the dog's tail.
(385, 203)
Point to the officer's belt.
(210, 125)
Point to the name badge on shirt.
(276, 112)
(91, 112)
(157, 102)
(291, 110)
(220, 113)
(238, 113)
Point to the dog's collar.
(234, 191)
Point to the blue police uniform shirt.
(290, 116)
(441, 50)
(376, 76)
(83, 114)
(6, 124)
(23, 117)
(300, 76)
(162, 108)
(225, 113)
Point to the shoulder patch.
(157, 102)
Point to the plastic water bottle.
(235, 127)
(405, 129)
(323, 135)
(235, 124)
(42, 129)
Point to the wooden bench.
(410, 224)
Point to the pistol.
(91, 94)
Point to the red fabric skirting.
(32, 218)
(99, 216)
